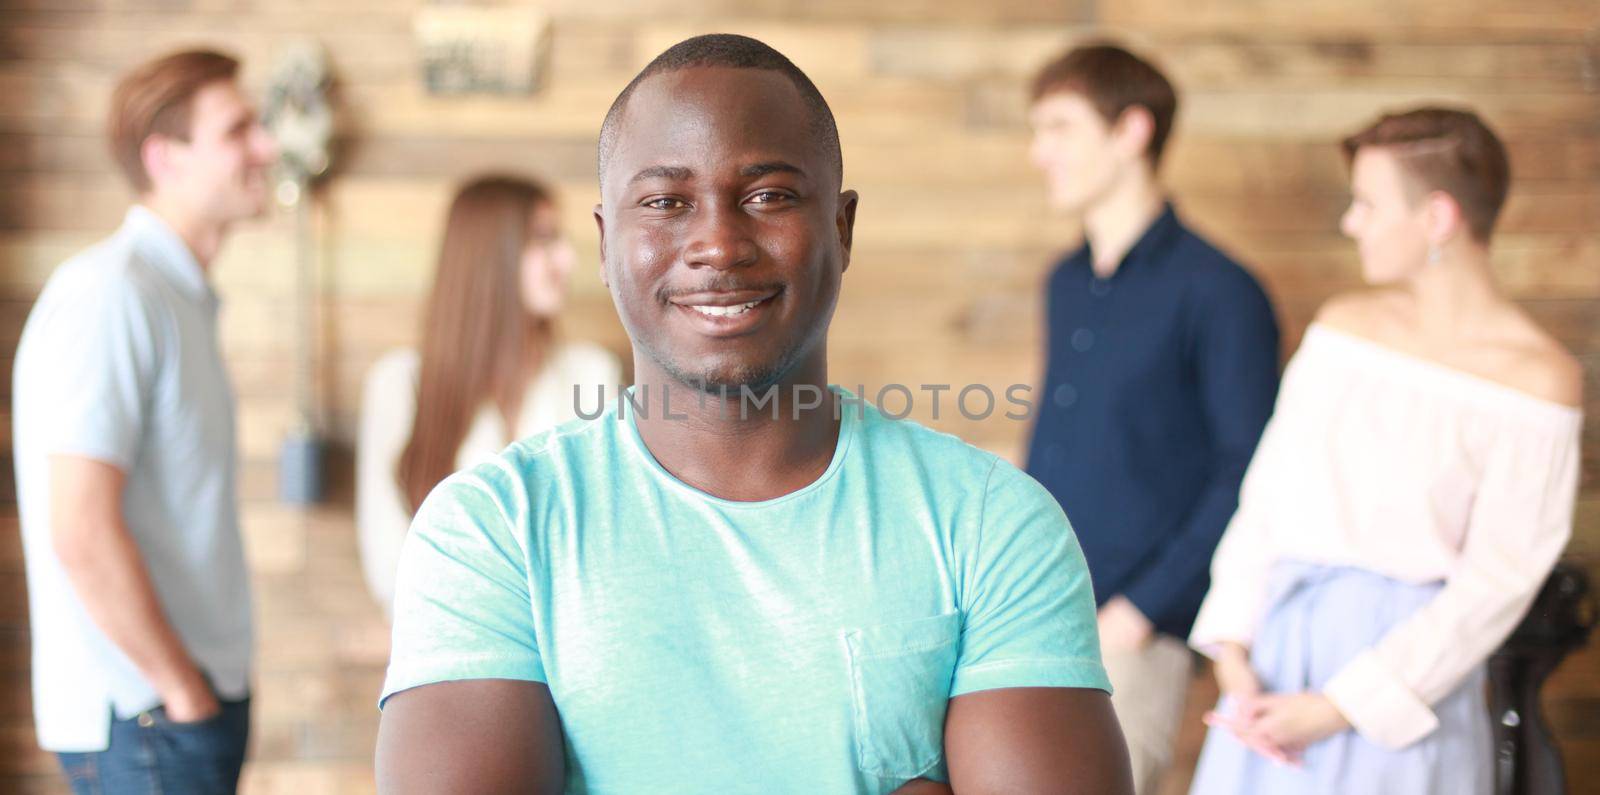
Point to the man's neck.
(202, 237)
(1115, 223)
(738, 449)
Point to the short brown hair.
(1113, 80)
(156, 99)
(1448, 150)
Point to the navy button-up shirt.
(1158, 383)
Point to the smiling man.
(123, 418)
(701, 597)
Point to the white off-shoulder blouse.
(1384, 461)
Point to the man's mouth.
(726, 312)
(725, 303)
(712, 310)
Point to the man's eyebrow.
(774, 167)
(676, 173)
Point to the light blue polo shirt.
(119, 362)
(808, 643)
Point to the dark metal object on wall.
(1526, 759)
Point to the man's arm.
(1030, 710)
(1027, 740)
(108, 574)
(465, 704)
(477, 735)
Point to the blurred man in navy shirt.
(1162, 369)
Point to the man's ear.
(1135, 128)
(156, 154)
(845, 221)
(600, 224)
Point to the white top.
(119, 362)
(388, 408)
(1387, 462)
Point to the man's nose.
(719, 238)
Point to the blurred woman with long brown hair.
(489, 370)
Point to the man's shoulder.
(952, 472)
(109, 282)
(105, 285)
(549, 456)
(1211, 270)
(942, 460)
(539, 472)
(109, 268)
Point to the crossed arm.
(498, 735)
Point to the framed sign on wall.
(466, 49)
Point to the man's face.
(220, 173)
(1075, 148)
(723, 233)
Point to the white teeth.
(724, 311)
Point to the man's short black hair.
(735, 52)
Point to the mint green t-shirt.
(808, 643)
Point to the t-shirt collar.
(851, 414)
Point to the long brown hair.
(479, 343)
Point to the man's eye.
(663, 203)
(769, 197)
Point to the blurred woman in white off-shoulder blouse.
(1408, 498)
(490, 369)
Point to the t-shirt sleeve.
(102, 340)
(462, 608)
(1026, 599)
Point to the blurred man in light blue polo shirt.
(124, 445)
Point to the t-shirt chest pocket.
(900, 678)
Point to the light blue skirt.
(1320, 618)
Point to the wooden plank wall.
(954, 235)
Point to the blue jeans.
(151, 754)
